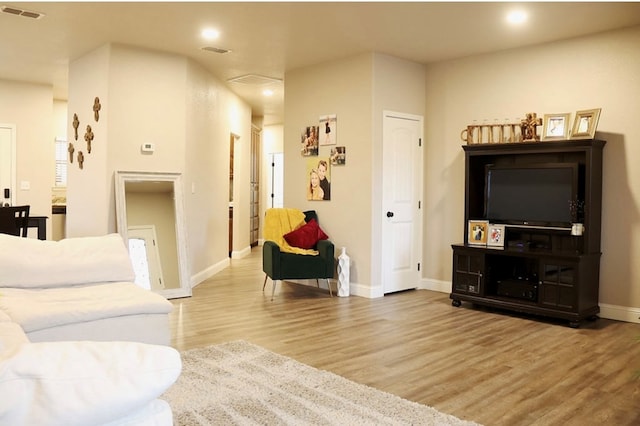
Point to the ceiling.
(270, 39)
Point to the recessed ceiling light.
(267, 92)
(516, 17)
(210, 34)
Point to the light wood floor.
(491, 367)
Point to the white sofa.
(80, 344)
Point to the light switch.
(148, 147)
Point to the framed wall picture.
(495, 237)
(309, 141)
(585, 124)
(328, 129)
(556, 127)
(477, 232)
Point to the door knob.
(389, 214)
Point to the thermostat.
(148, 147)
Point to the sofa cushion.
(81, 383)
(52, 307)
(70, 261)
(306, 236)
(12, 337)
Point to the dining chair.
(14, 220)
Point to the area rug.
(238, 383)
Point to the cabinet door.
(558, 281)
(468, 271)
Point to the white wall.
(398, 86)
(90, 196)
(357, 90)
(601, 71)
(213, 114)
(188, 115)
(343, 88)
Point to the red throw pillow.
(307, 236)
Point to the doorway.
(7, 164)
(254, 202)
(232, 145)
(402, 201)
(276, 183)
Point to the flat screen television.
(531, 194)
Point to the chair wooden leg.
(328, 285)
(273, 290)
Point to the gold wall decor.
(81, 160)
(524, 130)
(88, 137)
(528, 127)
(71, 150)
(96, 108)
(75, 123)
(506, 132)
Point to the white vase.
(343, 273)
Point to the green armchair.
(283, 266)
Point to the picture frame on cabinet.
(495, 235)
(556, 127)
(585, 124)
(477, 231)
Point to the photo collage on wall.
(320, 142)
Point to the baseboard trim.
(209, 272)
(435, 285)
(619, 313)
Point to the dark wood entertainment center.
(540, 270)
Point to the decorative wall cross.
(88, 137)
(96, 108)
(71, 149)
(76, 123)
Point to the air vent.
(254, 79)
(21, 12)
(215, 49)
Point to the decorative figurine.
(71, 149)
(80, 159)
(96, 108)
(528, 127)
(88, 137)
(76, 123)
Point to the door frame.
(11, 162)
(419, 188)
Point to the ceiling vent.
(215, 49)
(254, 79)
(21, 12)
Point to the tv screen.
(535, 195)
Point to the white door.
(7, 164)
(145, 257)
(401, 201)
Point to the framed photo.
(309, 141)
(495, 237)
(328, 129)
(477, 232)
(556, 127)
(318, 183)
(338, 156)
(585, 124)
